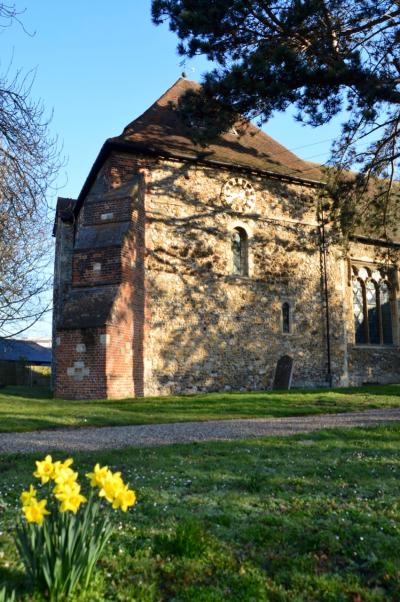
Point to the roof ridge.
(192, 83)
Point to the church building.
(182, 268)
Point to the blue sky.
(98, 66)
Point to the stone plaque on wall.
(283, 373)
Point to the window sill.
(237, 277)
(380, 347)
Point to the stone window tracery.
(372, 307)
(239, 245)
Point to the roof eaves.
(130, 147)
(379, 242)
(134, 147)
(63, 205)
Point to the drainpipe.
(326, 294)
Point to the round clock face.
(239, 194)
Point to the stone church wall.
(152, 306)
(209, 329)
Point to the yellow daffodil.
(98, 476)
(111, 486)
(72, 502)
(27, 496)
(68, 491)
(44, 469)
(35, 511)
(62, 469)
(63, 490)
(125, 497)
(66, 475)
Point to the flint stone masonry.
(165, 314)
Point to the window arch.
(239, 246)
(372, 299)
(386, 313)
(358, 310)
(372, 308)
(286, 321)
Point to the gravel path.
(115, 437)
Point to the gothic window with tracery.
(358, 310)
(372, 307)
(386, 313)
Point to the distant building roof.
(15, 350)
(43, 341)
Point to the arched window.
(372, 308)
(372, 295)
(386, 313)
(239, 242)
(286, 326)
(358, 309)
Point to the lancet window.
(372, 306)
(240, 260)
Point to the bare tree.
(29, 162)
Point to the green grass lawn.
(298, 519)
(24, 409)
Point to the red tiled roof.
(160, 130)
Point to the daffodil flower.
(98, 476)
(35, 511)
(27, 496)
(44, 469)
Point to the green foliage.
(6, 596)
(60, 555)
(25, 409)
(322, 58)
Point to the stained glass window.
(285, 317)
(239, 252)
(386, 313)
(358, 308)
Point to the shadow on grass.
(23, 409)
(27, 392)
(216, 397)
(13, 581)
